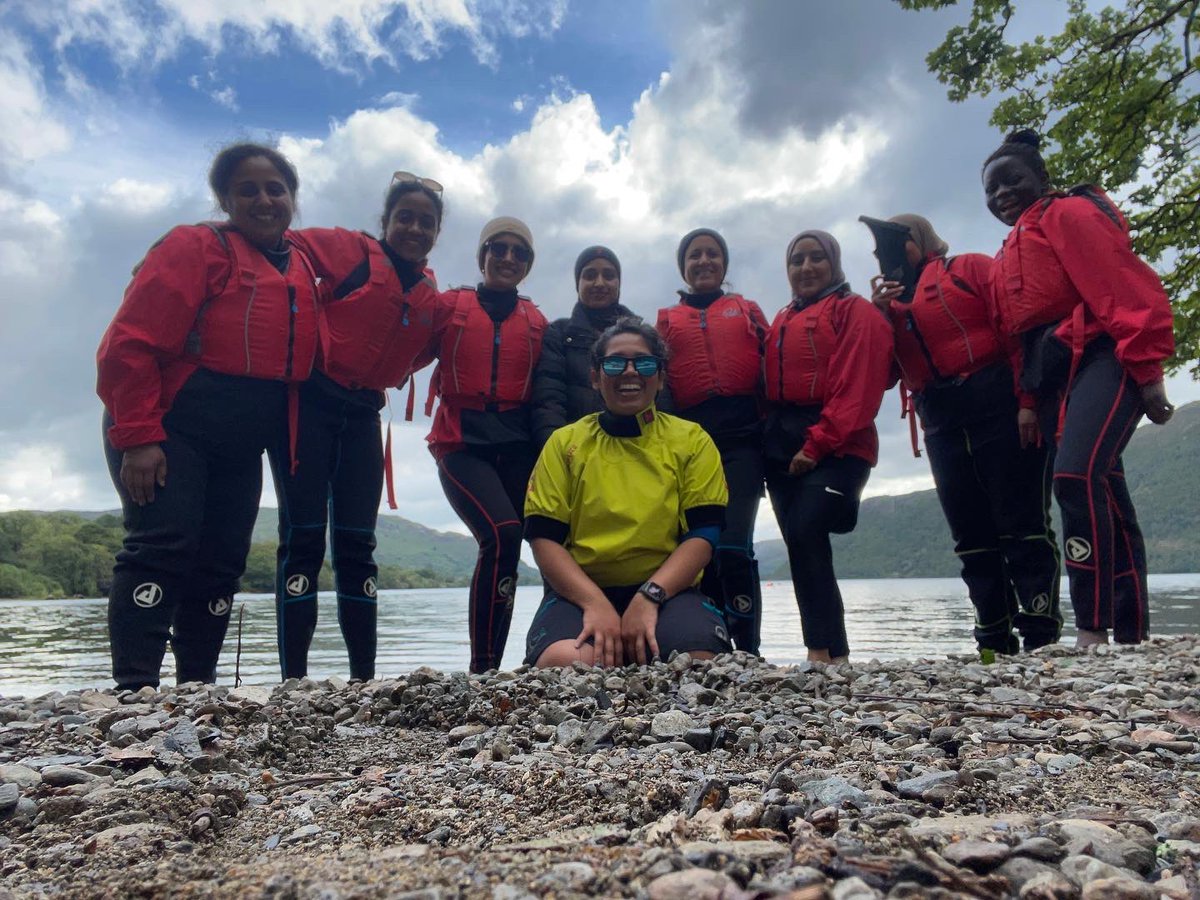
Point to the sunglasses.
(646, 366)
(410, 178)
(502, 249)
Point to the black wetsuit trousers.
(731, 580)
(486, 487)
(808, 509)
(335, 488)
(183, 553)
(1104, 551)
(996, 499)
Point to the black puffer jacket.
(562, 384)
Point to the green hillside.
(906, 536)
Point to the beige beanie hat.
(504, 225)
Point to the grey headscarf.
(922, 235)
(832, 249)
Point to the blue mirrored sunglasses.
(646, 366)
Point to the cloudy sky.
(625, 123)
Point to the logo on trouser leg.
(147, 595)
(742, 604)
(220, 606)
(297, 585)
(507, 589)
(1078, 549)
(1040, 604)
(370, 588)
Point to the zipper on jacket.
(812, 345)
(953, 317)
(708, 349)
(779, 346)
(292, 310)
(495, 360)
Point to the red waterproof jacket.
(1068, 259)
(715, 351)
(836, 353)
(482, 364)
(372, 334)
(202, 298)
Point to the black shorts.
(687, 622)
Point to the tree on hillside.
(1115, 94)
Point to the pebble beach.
(1057, 774)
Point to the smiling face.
(1011, 186)
(258, 202)
(810, 269)
(503, 273)
(704, 264)
(599, 284)
(412, 226)
(629, 393)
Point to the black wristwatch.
(654, 593)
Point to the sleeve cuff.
(122, 437)
(812, 451)
(1146, 373)
(545, 527)
(705, 516)
(710, 533)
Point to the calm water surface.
(50, 645)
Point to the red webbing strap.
(907, 411)
(389, 477)
(1077, 347)
(412, 398)
(293, 402)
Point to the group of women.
(632, 458)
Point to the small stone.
(854, 889)
(1085, 869)
(746, 814)
(62, 776)
(1119, 889)
(1057, 763)
(10, 794)
(932, 786)
(136, 835)
(1049, 885)
(672, 724)
(303, 833)
(708, 793)
(833, 792)
(460, 732)
(699, 738)
(1039, 848)
(148, 775)
(1082, 836)
(598, 733)
(978, 856)
(569, 733)
(567, 876)
(22, 776)
(250, 695)
(692, 884)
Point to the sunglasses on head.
(410, 178)
(646, 366)
(502, 249)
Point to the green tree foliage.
(1115, 93)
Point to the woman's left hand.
(1027, 428)
(638, 627)
(1158, 409)
(801, 463)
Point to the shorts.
(687, 622)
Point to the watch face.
(657, 595)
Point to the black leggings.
(996, 499)
(732, 577)
(183, 553)
(1104, 551)
(808, 509)
(336, 486)
(486, 487)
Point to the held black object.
(890, 238)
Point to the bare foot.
(1087, 638)
(839, 660)
(821, 656)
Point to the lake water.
(50, 645)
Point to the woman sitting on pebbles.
(621, 571)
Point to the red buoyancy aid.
(483, 363)
(202, 297)
(715, 351)
(797, 352)
(947, 330)
(372, 337)
(835, 353)
(1031, 286)
(261, 324)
